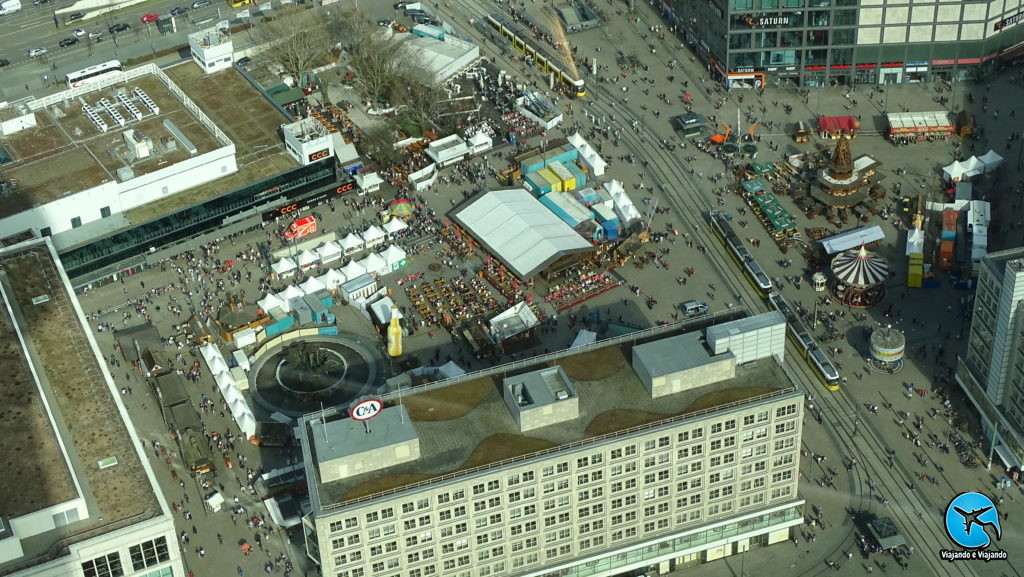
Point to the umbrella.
(402, 208)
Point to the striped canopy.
(859, 268)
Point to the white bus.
(94, 73)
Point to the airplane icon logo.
(967, 517)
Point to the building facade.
(831, 42)
(685, 491)
(991, 372)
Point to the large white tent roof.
(395, 225)
(523, 233)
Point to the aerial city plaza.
(568, 288)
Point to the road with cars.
(42, 42)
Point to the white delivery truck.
(10, 6)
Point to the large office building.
(823, 42)
(664, 451)
(991, 372)
(77, 497)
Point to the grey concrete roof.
(675, 354)
(744, 325)
(345, 437)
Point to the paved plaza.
(935, 321)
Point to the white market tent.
(225, 381)
(523, 233)
(353, 270)
(290, 292)
(333, 278)
(209, 350)
(624, 207)
(395, 225)
(915, 242)
(393, 255)
(591, 158)
(217, 364)
(268, 302)
(374, 263)
(308, 258)
(239, 406)
(373, 236)
(352, 243)
(479, 142)
(312, 285)
(246, 422)
(991, 160)
(329, 252)
(369, 182)
(973, 166)
(232, 394)
(285, 266)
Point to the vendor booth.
(911, 126)
(836, 126)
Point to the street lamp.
(992, 444)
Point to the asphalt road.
(34, 27)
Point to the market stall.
(836, 126)
(905, 127)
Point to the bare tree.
(379, 144)
(299, 38)
(377, 62)
(421, 100)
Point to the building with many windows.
(77, 497)
(991, 372)
(822, 42)
(567, 466)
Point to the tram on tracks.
(755, 274)
(819, 361)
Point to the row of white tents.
(973, 166)
(239, 407)
(380, 264)
(391, 259)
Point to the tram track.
(869, 449)
(842, 412)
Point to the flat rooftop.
(88, 421)
(27, 485)
(467, 425)
(246, 117)
(66, 153)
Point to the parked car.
(400, 5)
(33, 52)
(68, 42)
(150, 17)
(95, 34)
(4, 62)
(78, 32)
(178, 11)
(243, 61)
(38, 2)
(75, 16)
(200, 3)
(119, 27)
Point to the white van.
(10, 6)
(692, 308)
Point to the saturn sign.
(366, 410)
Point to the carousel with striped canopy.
(859, 278)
